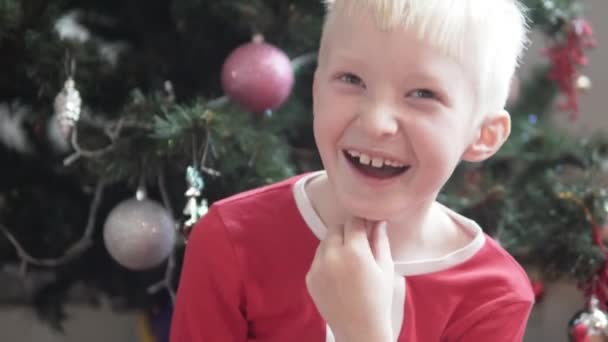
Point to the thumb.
(380, 245)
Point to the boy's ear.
(493, 132)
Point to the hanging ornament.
(537, 283)
(538, 287)
(258, 76)
(583, 83)
(566, 56)
(67, 107)
(194, 209)
(139, 233)
(589, 325)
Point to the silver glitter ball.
(139, 234)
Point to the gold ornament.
(583, 83)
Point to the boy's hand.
(351, 281)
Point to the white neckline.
(409, 268)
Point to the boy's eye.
(351, 79)
(424, 94)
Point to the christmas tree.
(120, 115)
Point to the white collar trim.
(409, 268)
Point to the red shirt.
(243, 279)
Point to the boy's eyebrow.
(424, 76)
(421, 75)
(427, 77)
(438, 83)
(348, 57)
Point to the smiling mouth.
(375, 167)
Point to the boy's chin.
(369, 211)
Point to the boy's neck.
(423, 232)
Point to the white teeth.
(354, 153)
(364, 159)
(377, 162)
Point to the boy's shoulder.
(495, 265)
(263, 205)
(274, 192)
(494, 273)
(264, 227)
(507, 268)
(489, 270)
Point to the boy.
(404, 90)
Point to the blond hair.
(487, 36)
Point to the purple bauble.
(139, 234)
(258, 76)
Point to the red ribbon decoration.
(598, 286)
(566, 56)
(600, 281)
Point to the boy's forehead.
(398, 53)
(411, 60)
(357, 27)
(434, 28)
(362, 33)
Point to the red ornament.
(579, 333)
(258, 76)
(565, 57)
(539, 290)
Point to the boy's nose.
(379, 121)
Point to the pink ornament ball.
(258, 76)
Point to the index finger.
(334, 236)
(356, 232)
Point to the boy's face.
(385, 95)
